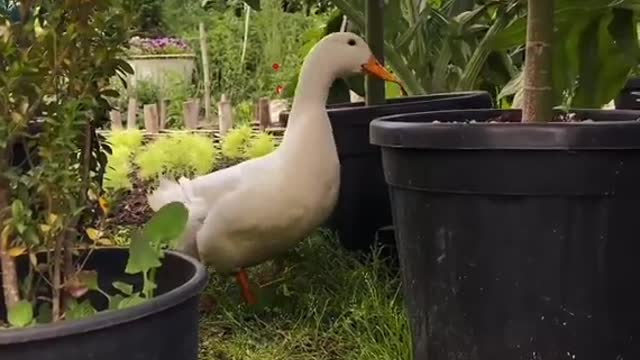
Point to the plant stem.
(56, 293)
(9, 275)
(538, 93)
(375, 38)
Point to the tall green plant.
(442, 46)
(595, 43)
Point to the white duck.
(246, 214)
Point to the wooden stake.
(151, 122)
(132, 111)
(264, 115)
(190, 110)
(225, 115)
(205, 72)
(164, 105)
(116, 119)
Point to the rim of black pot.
(467, 130)
(401, 101)
(111, 318)
(406, 99)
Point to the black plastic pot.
(165, 327)
(363, 206)
(629, 96)
(517, 241)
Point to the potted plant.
(153, 58)
(66, 293)
(515, 232)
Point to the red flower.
(279, 89)
(275, 66)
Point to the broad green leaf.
(512, 86)
(167, 224)
(142, 257)
(586, 90)
(624, 33)
(131, 301)
(21, 314)
(125, 288)
(114, 301)
(77, 311)
(17, 209)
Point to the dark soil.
(516, 117)
(132, 208)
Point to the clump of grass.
(124, 144)
(326, 304)
(235, 141)
(176, 155)
(260, 145)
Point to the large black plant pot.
(629, 96)
(363, 206)
(163, 328)
(517, 241)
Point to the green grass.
(323, 303)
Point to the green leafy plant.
(176, 90)
(243, 113)
(440, 46)
(273, 38)
(595, 46)
(124, 145)
(57, 64)
(146, 92)
(234, 143)
(176, 155)
(259, 145)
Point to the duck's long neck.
(308, 119)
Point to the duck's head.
(348, 54)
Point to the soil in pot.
(165, 327)
(363, 206)
(516, 241)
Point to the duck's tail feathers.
(170, 191)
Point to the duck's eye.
(352, 42)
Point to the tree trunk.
(538, 93)
(7, 265)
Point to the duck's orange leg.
(243, 281)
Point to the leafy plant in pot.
(64, 295)
(515, 228)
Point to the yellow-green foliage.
(131, 139)
(260, 145)
(176, 155)
(234, 143)
(124, 143)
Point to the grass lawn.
(319, 302)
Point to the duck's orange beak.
(374, 68)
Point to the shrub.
(260, 145)
(176, 155)
(234, 143)
(124, 144)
